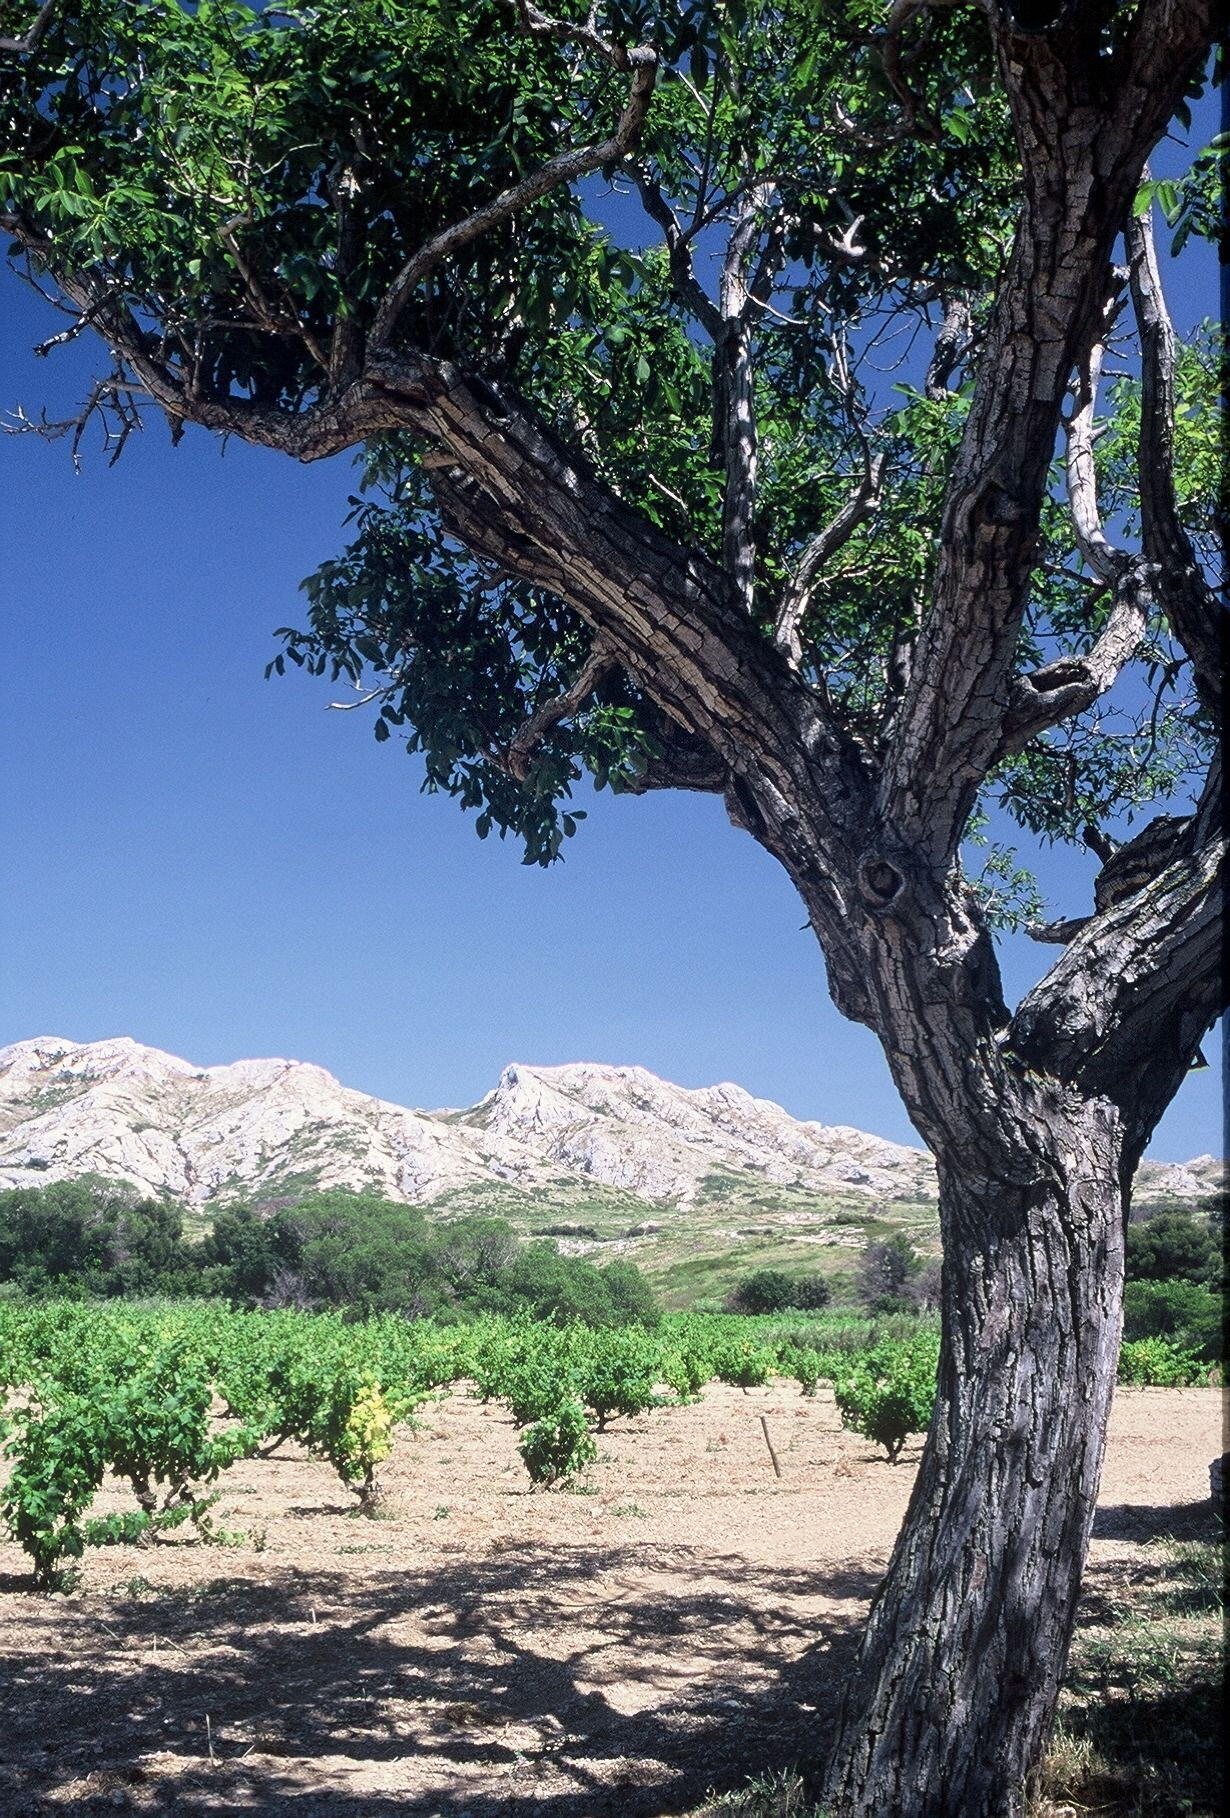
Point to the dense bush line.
(330, 1249)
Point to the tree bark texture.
(960, 1667)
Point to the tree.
(887, 1271)
(93, 1236)
(772, 1291)
(1172, 1244)
(651, 514)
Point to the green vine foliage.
(250, 181)
(557, 1448)
(166, 1396)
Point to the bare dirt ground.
(679, 1623)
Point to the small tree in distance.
(655, 514)
(773, 1291)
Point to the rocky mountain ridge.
(260, 1129)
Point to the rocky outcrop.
(262, 1128)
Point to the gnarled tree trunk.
(961, 1663)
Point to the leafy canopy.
(249, 183)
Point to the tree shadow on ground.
(429, 1690)
(1168, 1521)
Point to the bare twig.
(279, 321)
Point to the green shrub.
(618, 1377)
(1160, 1363)
(558, 1447)
(889, 1395)
(1189, 1314)
(809, 1367)
(686, 1371)
(743, 1366)
(773, 1291)
(1172, 1245)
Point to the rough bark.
(969, 1633)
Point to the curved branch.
(518, 758)
(564, 168)
(1069, 686)
(862, 504)
(687, 285)
(1122, 1011)
(1195, 618)
(892, 58)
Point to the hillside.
(695, 1182)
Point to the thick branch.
(565, 168)
(1069, 686)
(515, 497)
(952, 343)
(1197, 621)
(734, 400)
(1100, 555)
(1122, 1011)
(687, 285)
(24, 47)
(1082, 157)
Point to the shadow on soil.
(323, 1677)
(1170, 1521)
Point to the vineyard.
(162, 1399)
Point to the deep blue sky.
(220, 867)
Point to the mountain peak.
(261, 1129)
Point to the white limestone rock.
(264, 1128)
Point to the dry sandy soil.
(679, 1623)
